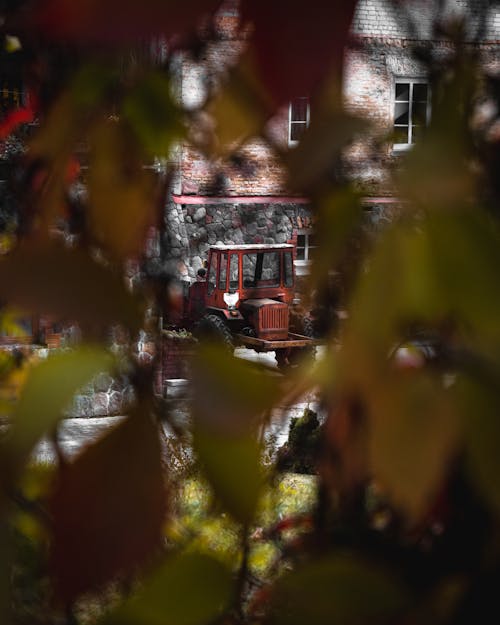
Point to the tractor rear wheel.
(214, 329)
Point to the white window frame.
(422, 80)
(302, 122)
(302, 265)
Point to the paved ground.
(74, 434)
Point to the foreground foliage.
(404, 526)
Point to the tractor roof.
(250, 247)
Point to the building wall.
(383, 36)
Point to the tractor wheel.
(214, 329)
(281, 356)
(302, 354)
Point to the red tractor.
(247, 300)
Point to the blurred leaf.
(231, 394)
(70, 115)
(121, 193)
(311, 42)
(240, 108)
(232, 466)
(339, 215)
(466, 257)
(415, 433)
(13, 119)
(320, 147)
(48, 391)
(12, 44)
(231, 397)
(437, 173)
(400, 287)
(108, 508)
(117, 21)
(341, 590)
(479, 404)
(10, 323)
(151, 111)
(189, 589)
(67, 284)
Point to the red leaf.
(15, 118)
(297, 46)
(116, 21)
(108, 509)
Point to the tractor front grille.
(273, 321)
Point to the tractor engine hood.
(269, 317)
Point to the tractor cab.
(240, 272)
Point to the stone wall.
(233, 222)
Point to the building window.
(306, 245)
(411, 111)
(11, 95)
(298, 119)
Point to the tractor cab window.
(233, 271)
(212, 273)
(261, 269)
(223, 272)
(288, 269)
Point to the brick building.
(248, 201)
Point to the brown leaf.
(91, 22)
(67, 284)
(121, 193)
(241, 108)
(296, 48)
(108, 508)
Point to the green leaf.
(122, 198)
(231, 394)
(152, 113)
(341, 590)
(415, 431)
(69, 285)
(466, 257)
(241, 108)
(48, 391)
(232, 466)
(70, 115)
(189, 589)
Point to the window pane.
(249, 263)
(223, 272)
(299, 109)
(401, 110)
(10, 95)
(311, 247)
(297, 130)
(288, 277)
(271, 268)
(401, 134)
(301, 245)
(419, 115)
(402, 91)
(212, 273)
(233, 271)
(419, 92)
